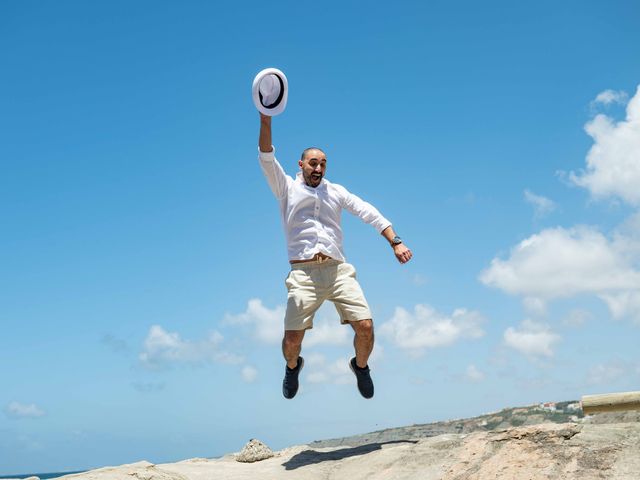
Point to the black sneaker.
(290, 382)
(365, 384)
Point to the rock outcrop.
(254, 451)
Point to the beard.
(312, 180)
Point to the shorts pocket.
(348, 270)
(297, 278)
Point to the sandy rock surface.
(548, 451)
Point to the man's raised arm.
(272, 170)
(265, 142)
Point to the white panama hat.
(270, 91)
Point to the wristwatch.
(396, 241)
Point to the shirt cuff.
(267, 156)
(383, 225)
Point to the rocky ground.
(547, 451)
(501, 445)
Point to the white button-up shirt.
(311, 216)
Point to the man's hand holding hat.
(270, 91)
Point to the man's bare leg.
(363, 341)
(291, 346)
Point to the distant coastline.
(42, 476)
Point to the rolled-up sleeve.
(276, 178)
(364, 210)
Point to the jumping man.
(311, 207)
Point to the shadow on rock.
(311, 457)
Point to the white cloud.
(535, 306)
(21, 410)
(267, 324)
(609, 372)
(425, 328)
(328, 332)
(377, 354)
(627, 238)
(319, 370)
(542, 205)
(473, 374)
(249, 374)
(611, 96)
(162, 348)
(531, 339)
(613, 162)
(624, 304)
(341, 373)
(314, 359)
(560, 263)
(336, 372)
(577, 318)
(318, 376)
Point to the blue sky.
(143, 260)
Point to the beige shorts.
(310, 284)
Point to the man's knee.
(363, 328)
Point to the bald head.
(311, 151)
(313, 164)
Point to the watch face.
(397, 240)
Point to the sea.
(41, 476)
